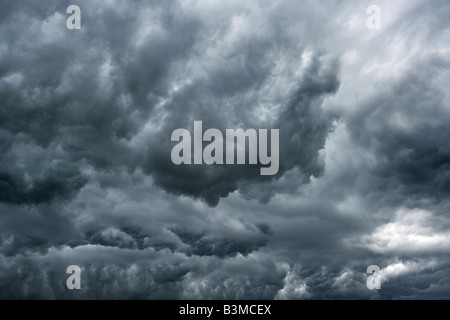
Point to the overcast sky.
(86, 177)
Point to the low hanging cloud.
(303, 129)
(86, 177)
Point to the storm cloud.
(86, 178)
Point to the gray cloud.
(406, 128)
(86, 176)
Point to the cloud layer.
(86, 177)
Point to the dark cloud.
(208, 245)
(406, 128)
(299, 118)
(86, 177)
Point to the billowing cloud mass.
(86, 176)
